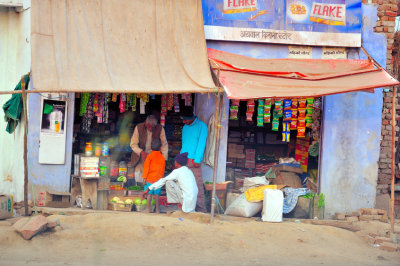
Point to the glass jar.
(122, 169)
(88, 149)
(114, 169)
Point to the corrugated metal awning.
(249, 78)
(152, 46)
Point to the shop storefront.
(101, 82)
(254, 52)
(314, 107)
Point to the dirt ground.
(188, 239)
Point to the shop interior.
(266, 132)
(103, 127)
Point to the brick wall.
(387, 12)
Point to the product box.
(6, 206)
(89, 167)
(54, 199)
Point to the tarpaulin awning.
(152, 46)
(249, 78)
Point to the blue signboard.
(304, 22)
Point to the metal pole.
(24, 98)
(393, 162)
(217, 130)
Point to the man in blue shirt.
(194, 137)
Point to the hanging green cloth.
(13, 107)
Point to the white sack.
(252, 182)
(272, 205)
(242, 208)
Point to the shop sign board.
(301, 22)
(300, 52)
(334, 53)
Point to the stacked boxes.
(89, 167)
(236, 155)
(301, 155)
(250, 159)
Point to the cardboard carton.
(6, 206)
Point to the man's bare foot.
(157, 211)
(146, 211)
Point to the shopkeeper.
(194, 137)
(141, 139)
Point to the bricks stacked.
(365, 214)
(387, 12)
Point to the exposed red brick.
(391, 247)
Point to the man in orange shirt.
(154, 167)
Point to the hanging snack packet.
(250, 105)
(267, 109)
(96, 103)
(294, 113)
(260, 121)
(309, 111)
(278, 104)
(287, 104)
(302, 103)
(260, 111)
(301, 132)
(250, 110)
(233, 113)
(295, 103)
(301, 123)
(285, 127)
(162, 120)
(261, 103)
(287, 115)
(267, 118)
(286, 136)
(133, 102)
(275, 124)
(302, 113)
(249, 116)
(268, 101)
(170, 101)
(114, 97)
(293, 125)
(176, 103)
(317, 103)
(310, 102)
(278, 113)
(309, 122)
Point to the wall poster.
(52, 138)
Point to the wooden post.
(217, 130)
(24, 98)
(393, 162)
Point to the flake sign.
(304, 22)
(238, 6)
(329, 14)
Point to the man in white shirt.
(180, 185)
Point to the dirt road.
(187, 239)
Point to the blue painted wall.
(44, 177)
(352, 132)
